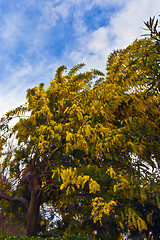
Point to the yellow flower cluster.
(70, 177)
(134, 221)
(93, 186)
(100, 207)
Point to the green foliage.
(152, 26)
(8, 236)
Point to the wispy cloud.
(51, 13)
(124, 27)
(37, 36)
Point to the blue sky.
(37, 36)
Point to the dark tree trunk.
(33, 206)
(30, 178)
(33, 210)
(32, 215)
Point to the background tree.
(91, 151)
(152, 27)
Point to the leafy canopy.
(94, 141)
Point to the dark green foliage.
(152, 26)
(68, 237)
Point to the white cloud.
(13, 93)
(78, 23)
(98, 41)
(10, 31)
(51, 14)
(91, 46)
(127, 25)
(124, 27)
(87, 5)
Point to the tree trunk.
(33, 206)
(32, 214)
(33, 210)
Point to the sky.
(38, 36)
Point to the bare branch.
(13, 199)
(30, 178)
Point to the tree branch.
(13, 199)
(30, 178)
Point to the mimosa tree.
(89, 146)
